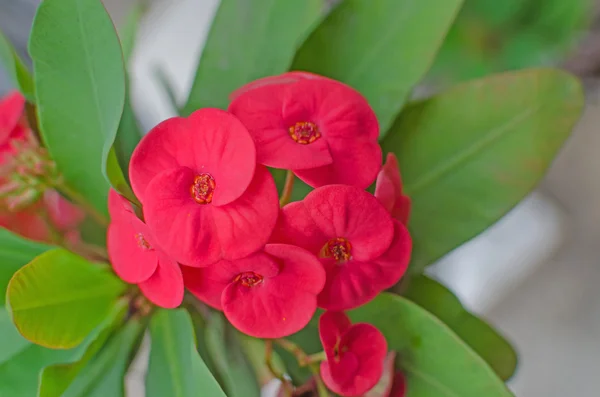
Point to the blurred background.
(534, 274)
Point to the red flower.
(269, 294)
(355, 354)
(137, 259)
(389, 190)
(11, 127)
(202, 193)
(320, 128)
(362, 249)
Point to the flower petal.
(332, 326)
(132, 262)
(388, 190)
(63, 214)
(209, 141)
(394, 262)
(280, 305)
(165, 287)
(295, 226)
(261, 110)
(285, 78)
(207, 284)
(355, 163)
(352, 213)
(185, 229)
(11, 109)
(245, 225)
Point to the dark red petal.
(352, 213)
(281, 304)
(355, 163)
(339, 376)
(399, 387)
(261, 110)
(185, 229)
(245, 225)
(295, 226)
(132, 260)
(332, 326)
(209, 141)
(165, 287)
(11, 109)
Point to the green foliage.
(483, 339)
(225, 350)
(383, 48)
(248, 39)
(15, 252)
(16, 69)
(128, 133)
(104, 374)
(57, 378)
(80, 90)
(435, 361)
(495, 36)
(470, 154)
(176, 368)
(59, 298)
(19, 376)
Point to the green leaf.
(59, 298)
(382, 50)
(16, 69)
(104, 375)
(434, 360)
(248, 39)
(117, 179)
(80, 90)
(15, 252)
(55, 379)
(20, 375)
(482, 338)
(11, 341)
(128, 133)
(233, 367)
(176, 369)
(470, 154)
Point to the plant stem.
(79, 200)
(321, 388)
(303, 358)
(269, 362)
(286, 195)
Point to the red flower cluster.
(27, 206)
(212, 220)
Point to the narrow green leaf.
(117, 179)
(80, 89)
(164, 83)
(16, 69)
(382, 48)
(104, 375)
(434, 360)
(176, 369)
(481, 337)
(20, 375)
(470, 154)
(248, 39)
(226, 352)
(59, 298)
(15, 252)
(55, 379)
(128, 133)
